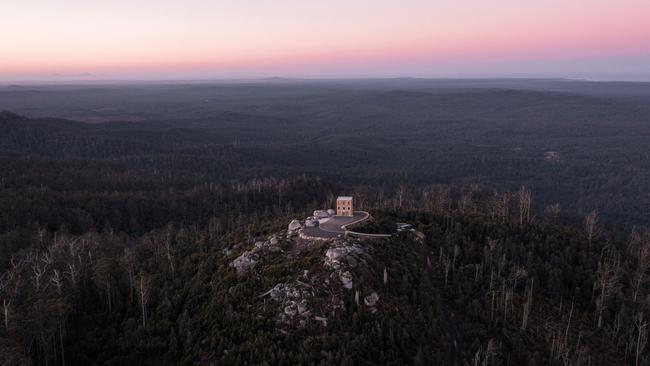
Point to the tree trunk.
(5, 310)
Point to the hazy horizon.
(205, 40)
(92, 80)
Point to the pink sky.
(144, 39)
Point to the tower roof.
(345, 198)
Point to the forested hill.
(62, 138)
(583, 151)
(492, 287)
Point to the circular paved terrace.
(334, 226)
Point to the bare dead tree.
(73, 247)
(640, 250)
(168, 248)
(143, 292)
(6, 300)
(401, 195)
(568, 323)
(72, 272)
(490, 351)
(492, 292)
(456, 252)
(361, 197)
(478, 356)
(552, 212)
(38, 269)
(503, 205)
(517, 273)
(490, 251)
(607, 280)
(617, 324)
(128, 261)
(440, 198)
(6, 304)
(482, 357)
(57, 280)
(380, 198)
(501, 265)
(46, 257)
(642, 336)
(492, 308)
(562, 351)
(9, 288)
(524, 200)
(465, 202)
(507, 302)
(329, 199)
(527, 304)
(591, 226)
(494, 205)
(447, 265)
(103, 275)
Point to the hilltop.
(473, 288)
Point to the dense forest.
(119, 226)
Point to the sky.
(221, 39)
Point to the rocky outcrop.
(294, 302)
(294, 226)
(314, 293)
(292, 299)
(321, 214)
(371, 300)
(346, 279)
(244, 262)
(311, 222)
(341, 256)
(306, 237)
(249, 259)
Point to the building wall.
(344, 208)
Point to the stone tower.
(344, 206)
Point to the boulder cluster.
(294, 226)
(342, 256)
(250, 258)
(294, 303)
(314, 294)
(312, 221)
(293, 300)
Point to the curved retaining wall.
(363, 235)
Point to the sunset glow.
(195, 38)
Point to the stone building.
(344, 206)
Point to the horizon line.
(9, 83)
